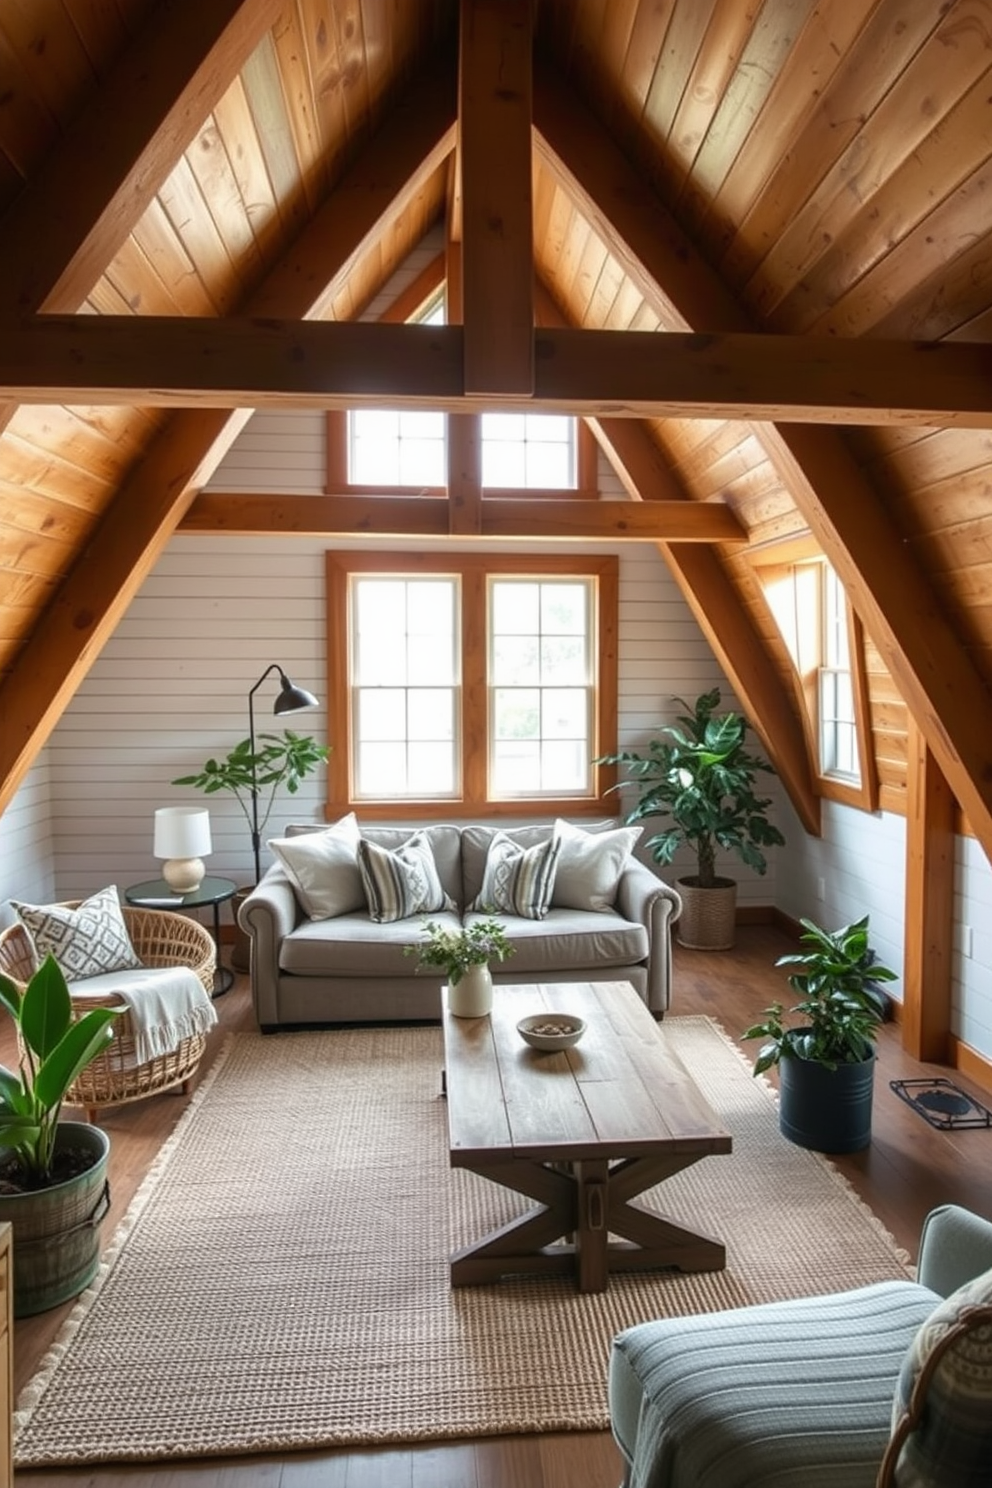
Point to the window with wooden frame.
(826, 643)
(470, 685)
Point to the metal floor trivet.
(942, 1104)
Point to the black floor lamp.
(291, 699)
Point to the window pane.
(563, 714)
(504, 465)
(396, 449)
(516, 713)
(430, 714)
(516, 661)
(377, 763)
(381, 713)
(532, 449)
(563, 660)
(563, 609)
(431, 770)
(563, 767)
(516, 608)
(516, 769)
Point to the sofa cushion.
(570, 939)
(322, 866)
(85, 941)
(355, 946)
(590, 865)
(400, 882)
(518, 880)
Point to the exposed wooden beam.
(146, 508)
(426, 516)
(495, 86)
(716, 605)
(929, 918)
(63, 229)
(268, 362)
(891, 592)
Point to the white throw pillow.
(323, 868)
(518, 880)
(590, 865)
(403, 882)
(86, 941)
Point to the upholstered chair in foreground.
(887, 1386)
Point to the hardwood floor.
(908, 1168)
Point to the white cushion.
(323, 868)
(590, 865)
(518, 880)
(85, 941)
(402, 882)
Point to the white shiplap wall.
(27, 868)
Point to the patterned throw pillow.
(86, 941)
(590, 865)
(323, 868)
(941, 1429)
(401, 883)
(518, 880)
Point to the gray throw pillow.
(86, 941)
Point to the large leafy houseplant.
(280, 760)
(841, 1002)
(826, 1060)
(54, 1048)
(699, 772)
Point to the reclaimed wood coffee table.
(583, 1132)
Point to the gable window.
(825, 641)
(468, 682)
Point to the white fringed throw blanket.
(167, 1004)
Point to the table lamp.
(182, 833)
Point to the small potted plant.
(699, 773)
(52, 1173)
(826, 1060)
(464, 956)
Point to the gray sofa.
(351, 969)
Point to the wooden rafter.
(74, 214)
(144, 512)
(943, 689)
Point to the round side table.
(155, 893)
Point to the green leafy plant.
(454, 951)
(54, 1047)
(841, 1001)
(279, 760)
(700, 773)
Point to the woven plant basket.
(114, 1077)
(708, 915)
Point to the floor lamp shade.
(182, 835)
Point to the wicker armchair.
(160, 938)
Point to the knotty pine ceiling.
(809, 169)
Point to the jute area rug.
(281, 1281)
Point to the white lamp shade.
(182, 832)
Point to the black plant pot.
(828, 1110)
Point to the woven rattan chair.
(160, 938)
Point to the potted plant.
(279, 760)
(464, 956)
(699, 773)
(53, 1185)
(826, 1061)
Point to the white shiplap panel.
(27, 857)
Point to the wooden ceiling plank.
(495, 87)
(945, 691)
(139, 522)
(99, 182)
(273, 361)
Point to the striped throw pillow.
(400, 883)
(518, 880)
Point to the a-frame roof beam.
(274, 362)
(495, 85)
(62, 230)
(413, 143)
(890, 591)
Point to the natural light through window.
(405, 665)
(530, 451)
(838, 731)
(541, 686)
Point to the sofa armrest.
(645, 898)
(955, 1247)
(268, 915)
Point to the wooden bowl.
(550, 1032)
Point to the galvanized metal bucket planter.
(56, 1230)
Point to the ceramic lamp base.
(183, 875)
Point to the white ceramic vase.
(472, 994)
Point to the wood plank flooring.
(908, 1168)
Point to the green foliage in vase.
(454, 951)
